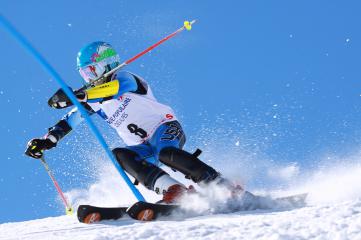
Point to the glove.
(36, 147)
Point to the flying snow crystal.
(291, 35)
(69, 25)
(285, 172)
(347, 39)
(237, 143)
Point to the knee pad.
(188, 164)
(144, 172)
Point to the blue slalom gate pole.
(26, 44)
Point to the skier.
(150, 129)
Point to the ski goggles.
(94, 71)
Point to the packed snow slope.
(337, 221)
(333, 211)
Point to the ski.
(91, 214)
(297, 200)
(141, 211)
(145, 211)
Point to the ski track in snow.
(337, 221)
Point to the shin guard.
(188, 164)
(144, 172)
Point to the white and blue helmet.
(95, 59)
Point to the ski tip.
(92, 218)
(146, 215)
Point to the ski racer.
(150, 129)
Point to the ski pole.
(24, 42)
(187, 25)
(68, 208)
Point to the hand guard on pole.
(36, 147)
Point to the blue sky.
(281, 78)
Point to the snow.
(333, 211)
(337, 221)
(286, 172)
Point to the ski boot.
(171, 189)
(176, 192)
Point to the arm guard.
(58, 131)
(66, 124)
(128, 82)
